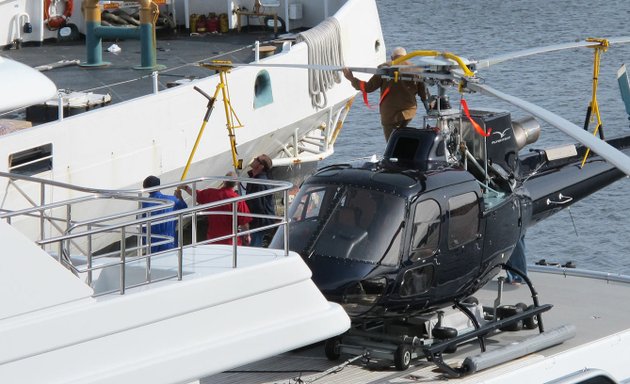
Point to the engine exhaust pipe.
(526, 131)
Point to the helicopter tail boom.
(555, 183)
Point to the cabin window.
(262, 90)
(406, 148)
(31, 161)
(416, 281)
(463, 224)
(309, 204)
(426, 230)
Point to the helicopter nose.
(333, 275)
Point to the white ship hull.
(117, 146)
(172, 325)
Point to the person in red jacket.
(220, 220)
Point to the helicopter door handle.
(561, 200)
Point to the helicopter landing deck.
(600, 326)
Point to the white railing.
(63, 230)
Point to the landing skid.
(403, 340)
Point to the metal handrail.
(133, 221)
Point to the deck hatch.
(31, 161)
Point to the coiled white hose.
(324, 48)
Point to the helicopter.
(439, 215)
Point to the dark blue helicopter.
(439, 215)
(418, 230)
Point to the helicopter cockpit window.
(463, 224)
(347, 223)
(426, 230)
(308, 213)
(365, 226)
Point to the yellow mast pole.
(230, 115)
(599, 49)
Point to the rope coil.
(324, 48)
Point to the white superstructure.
(118, 145)
(132, 316)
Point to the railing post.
(140, 239)
(193, 232)
(42, 200)
(89, 257)
(123, 251)
(180, 248)
(286, 222)
(59, 256)
(147, 275)
(60, 106)
(234, 232)
(154, 77)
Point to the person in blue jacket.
(167, 228)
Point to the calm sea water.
(560, 82)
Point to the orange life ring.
(54, 20)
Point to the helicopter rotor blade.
(550, 48)
(602, 148)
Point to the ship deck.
(178, 53)
(589, 304)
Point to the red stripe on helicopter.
(473, 122)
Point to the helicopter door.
(425, 241)
(502, 229)
(459, 262)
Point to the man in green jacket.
(397, 104)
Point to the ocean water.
(594, 233)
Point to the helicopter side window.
(463, 223)
(309, 204)
(426, 230)
(417, 280)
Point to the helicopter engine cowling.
(420, 149)
(526, 131)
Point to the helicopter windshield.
(347, 223)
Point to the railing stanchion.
(180, 248)
(286, 222)
(148, 250)
(42, 201)
(123, 261)
(81, 236)
(140, 241)
(89, 257)
(234, 232)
